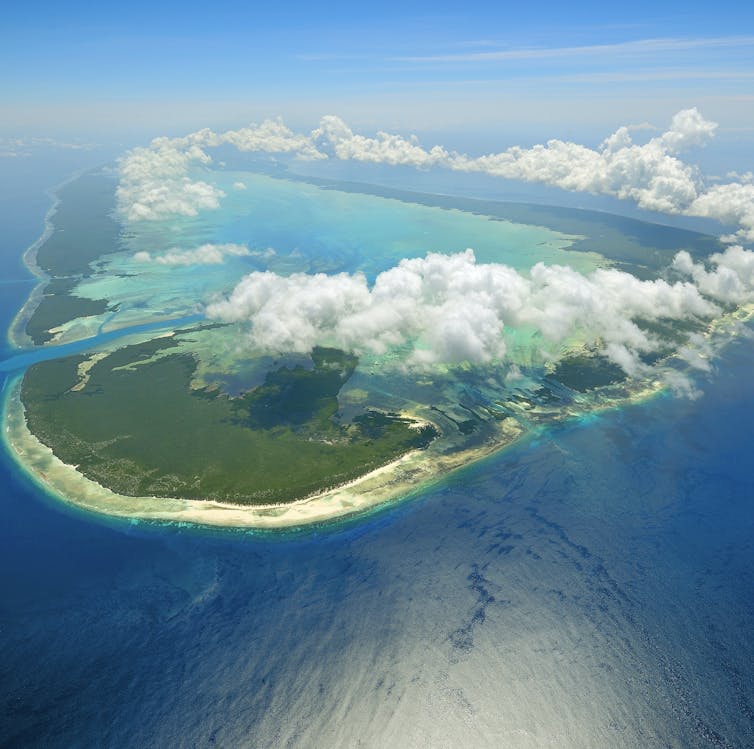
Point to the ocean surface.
(591, 587)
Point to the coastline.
(16, 334)
(395, 481)
(392, 482)
(380, 486)
(389, 483)
(63, 482)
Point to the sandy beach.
(390, 482)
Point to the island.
(164, 414)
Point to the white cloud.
(155, 181)
(651, 174)
(697, 352)
(732, 204)
(335, 136)
(731, 281)
(206, 254)
(680, 385)
(746, 177)
(449, 309)
(272, 136)
(267, 253)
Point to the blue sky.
(528, 71)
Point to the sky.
(484, 74)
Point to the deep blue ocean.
(591, 587)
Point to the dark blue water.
(591, 588)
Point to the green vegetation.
(638, 247)
(300, 399)
(59, 306)
(84, 227)
(465, 426)
(84, 230)
(582, 372)
(137, 427)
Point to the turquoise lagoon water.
(592, 587)
(310, 229)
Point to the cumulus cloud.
(155, 183)
(450, 309)
(206, 254)
(731, 279)
(272, 136)
(155, 180)
(732, 204)
(334, 136)
(651, 174)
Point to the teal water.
(293, 226)
(20, 361)
(590, 588)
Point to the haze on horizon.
(480, 78)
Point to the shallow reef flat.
(95, 276)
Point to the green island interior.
(137, 427)
(84, 229)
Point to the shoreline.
(393, 481)
(16, 334)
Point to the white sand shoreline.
(394, 481)
(380, 486)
